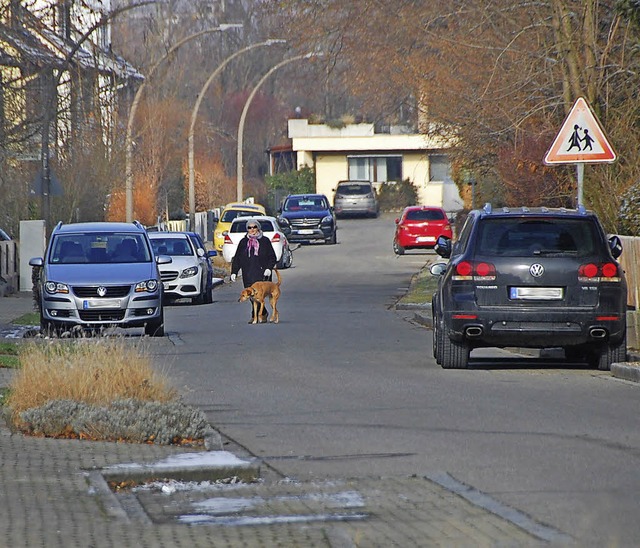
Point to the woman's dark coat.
(253, 267)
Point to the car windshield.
(230, 214)
(305, 204)
(354, 189)
(534, 237)
(241, 226)
(99, 247)
(177, 247)
(425, 215)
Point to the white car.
(186, 276)
(270, 228)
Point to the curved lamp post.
(239, 165)
(194, 115)
(134, 108)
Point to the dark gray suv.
(531, 278)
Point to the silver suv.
(355, 198)
(97, 275)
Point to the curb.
(181, 469)
(627, 371)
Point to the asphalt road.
(346, 386)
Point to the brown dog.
(258, 294)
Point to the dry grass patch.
(91, 372)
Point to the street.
(345, 386)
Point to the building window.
(439, 167)
(375, 169)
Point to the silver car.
(97, 275)
(355, 198)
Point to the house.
(357, 152)
(47, 66)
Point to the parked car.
(270, 228)
(97, 275)
(229, 213)
(419, 228)
(308, 217)
(198, 243)
(186, 275)
(531, 278)
(355, 198)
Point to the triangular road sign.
(581, 139)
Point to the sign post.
(581, 140)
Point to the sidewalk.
(58, 493)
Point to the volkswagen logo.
(102, 291)
(536, 270)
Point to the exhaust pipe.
(473, 331)
(597, 333)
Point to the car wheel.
(333, 239)
(155, 328)
(199, 299)
(208, 296)
(607, 354)
(455, 355)
(397, 248)
(288, 258)
(438, 342)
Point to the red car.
(419, 228)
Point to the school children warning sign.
(581, 139)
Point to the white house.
(356, 152)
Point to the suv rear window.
(354, 188)
(534, 237)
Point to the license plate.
(305, 231)
(426, 239)
(536, 293)
(102, 303)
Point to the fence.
(9, 267)
(629, 261)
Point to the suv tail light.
(276, 238)
(603, 272)
(473, 270)
(227, 239)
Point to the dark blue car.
(308, 217)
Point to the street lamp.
(194, 114)
(247, 104)
(134, 108)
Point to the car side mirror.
(212, 253)
(163, 259)
(438, 269)
(200, 252)
(443, 246)
(36, 261)
(615, 245)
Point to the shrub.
(629, 220)
(397, 196)
(105, 389)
